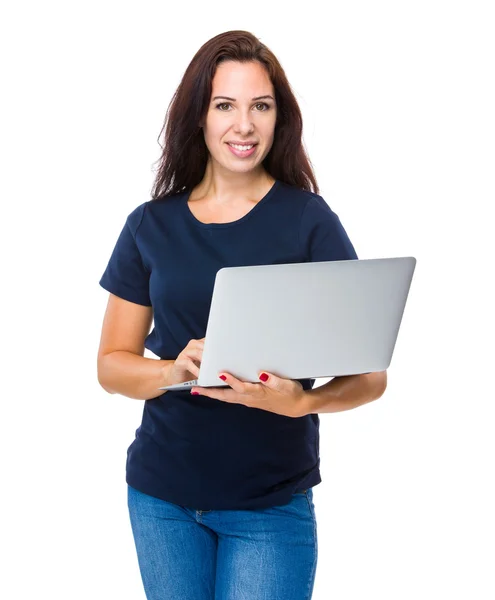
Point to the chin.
(246, 169)
(238, 166)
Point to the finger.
(226, 395)
(241, 387)
(193, 368)
(233, 382)
(275, 383)
(195, 354)
(268, 379)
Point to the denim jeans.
(189, 554)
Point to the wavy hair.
(184, 157)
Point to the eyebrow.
(233, 99)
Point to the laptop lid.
(304, 320)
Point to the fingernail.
(195, 393)
(223, 377)
(263, 377)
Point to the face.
(242, 109)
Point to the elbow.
(378, 383)
(106, 388)
(381, 383)
(100, 376)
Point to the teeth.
(237, 147)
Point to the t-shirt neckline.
(256, 207)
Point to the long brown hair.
(184, 157)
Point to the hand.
(285, 397)
(186, 365)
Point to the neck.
(222, 186)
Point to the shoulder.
(308, 200)
(152, 208)
(305, 197)
(135, 217)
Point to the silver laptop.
(304, 320)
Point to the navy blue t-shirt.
(196, 451)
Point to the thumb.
(269, 379)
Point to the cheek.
(215, 129)
(269, 126)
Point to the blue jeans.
(188, 554)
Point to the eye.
(257, 104)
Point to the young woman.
(219, 484)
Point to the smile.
(242, 151)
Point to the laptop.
(304, 320)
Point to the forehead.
(244, 78)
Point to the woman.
(219, 484)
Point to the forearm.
(345, 393)
(134, 376)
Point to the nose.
(244, 124)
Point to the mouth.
(242, 151)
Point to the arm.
(344, 393)
(125, 373)
(122, 369)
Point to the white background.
(398, 104)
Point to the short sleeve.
(126, 275)
(322, 235)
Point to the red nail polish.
(263, 377)
(195, 393)
(223, 377)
